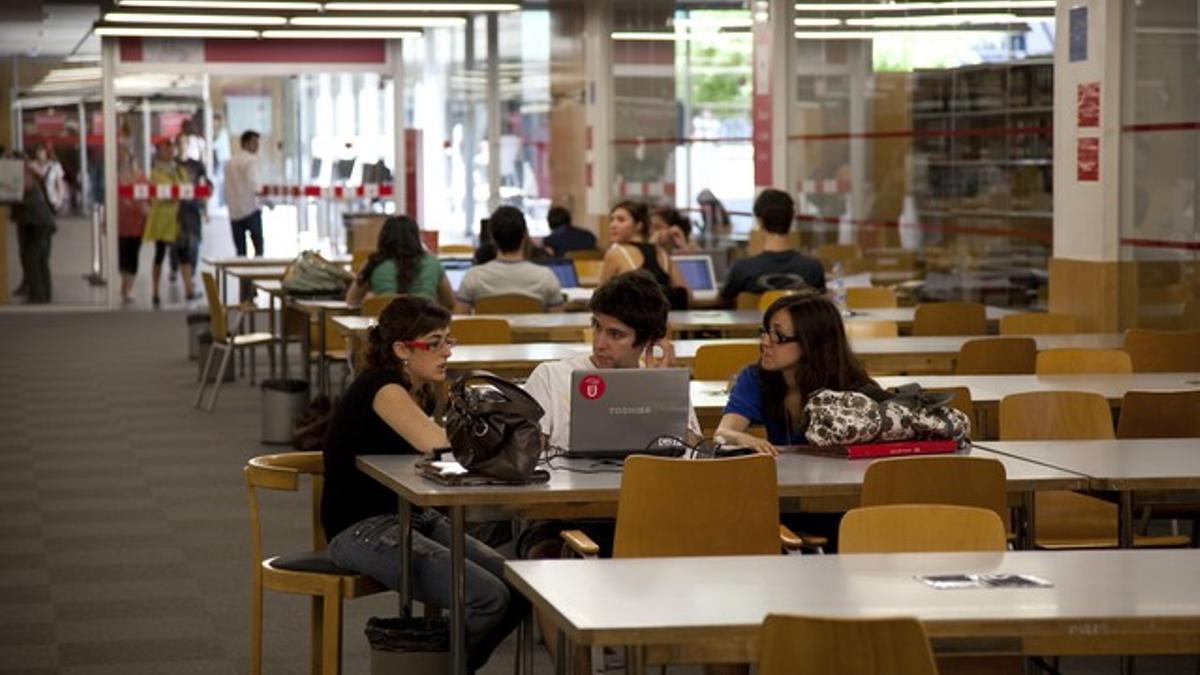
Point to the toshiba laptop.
(697, 271)
(619, 412)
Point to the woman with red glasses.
(387, 410)
(804, 348)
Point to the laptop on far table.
(697, 271)
(620, 412)
(565, 271)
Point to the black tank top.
(677, 296)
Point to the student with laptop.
(509, 273)
(779, 265)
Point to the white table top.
(263, 262)
(1131, 464)
(658, 600)
(799, 476)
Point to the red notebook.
(871, 450)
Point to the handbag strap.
(525, 404)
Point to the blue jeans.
(371, 547)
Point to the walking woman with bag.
(36, 227)
(162, 223)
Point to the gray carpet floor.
(124, 539)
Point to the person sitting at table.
(672, 231)
(803, 348)
(565, 237)
(509, 273)
(400, 264)
(629, 230)
(387, 410)
(779, 265)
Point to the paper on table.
(957, 581)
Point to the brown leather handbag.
(493, 427)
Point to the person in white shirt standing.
(242, 185)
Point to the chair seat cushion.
(318, 562)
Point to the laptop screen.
(616, 412)
(565, 271)
(456, 269)
(697, 272)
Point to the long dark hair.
(826, 360)
(399, 241)
(640, 215)
(408, 317)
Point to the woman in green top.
(162, 222)
(400, 264)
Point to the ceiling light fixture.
(802, 21)
(378, 21)
(422, 6)
(934, 20)
(344, 34)
(197, 19)
(82, 58)
(872, 34)
(161, 31)
(918, 6)
(650, 36)
(224, 4)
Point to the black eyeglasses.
(775, 337)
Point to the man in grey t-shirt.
(509, 273)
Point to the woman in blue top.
(804, 348)
(400, 264)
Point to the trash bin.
(283, 401)
(197, 323)
(203, 344)
(413, 646)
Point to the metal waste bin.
(283, 401)
(412, 646)
(197, 323)
(203, 344)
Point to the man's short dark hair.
(636, 300)
(248, 136)
(557, 217)
(508, 228)
(776, 210)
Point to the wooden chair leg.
(208, 360)
(331, 647)
(256, 626)
(316, 633)
(221, 370)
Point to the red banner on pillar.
(763, 118)
(1088, 160)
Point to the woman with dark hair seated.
(387, 411)
(629, 232)
(400, 264)
(671, 230)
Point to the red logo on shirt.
(591, 387)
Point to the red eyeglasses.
(434, 345)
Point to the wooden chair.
(509, 304)
(585, 254)
(1068, 519)
(747, 300)
(800, 645)
(588, 271)
(870, 297)
(358, 259)
(307, 573)
(871, 329)
(374, 305)
(456, 249)
(898, 261)
(226, 342)
(950, 318)
(470, 330)
(768, 298)
(920, 528)
(829, 254)
(1160, 414)
(1163, 351)
(721, 361)
(1038, 323)
(952, 480)
(1069, 361)
(997, 356)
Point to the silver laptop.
(619, 412)
(697, 271)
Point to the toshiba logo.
(629, 410)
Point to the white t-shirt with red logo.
(550, 386)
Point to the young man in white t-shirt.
(629, 326)
(509, 273)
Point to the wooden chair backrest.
(898, 261)
(588, 271)
(1059, 415)
(1160, 414)
(358, 259)
(960, 398)
(585, 254)
(1038, 323)
(870, 297)
(282, 471)
(838, 252)
(680, 507)
(1162, 351)
(769, 297)
(920, 528)
(374, 305)
(950, 318)
(724, 360)
(801, 645)
(997, 356)
(452, 249)
(217, 323)
(872, 329)
(747, 300)
(1068, 361)
(509, 304)
(953, 480)
(470, 330)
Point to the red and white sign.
(50, 123)
(1088, 160)
(591, 387)
(147, 191)
(370, 190)
(761, 106)
(1087, 99)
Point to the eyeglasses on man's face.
(774, 337)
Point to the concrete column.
(108, 103)
(399, 172)
(493, 110)
(598, 110)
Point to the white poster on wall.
(12, 180)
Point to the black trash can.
(203, 344)
(283, 401)
(413, 646)
(197, 323)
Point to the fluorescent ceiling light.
(65, 74)
(714, 24)
(934, 20)
(223, 4)
(82, 58)
(872, 34)
(159, 31)
(422, 6)
(197, 19)
(344, 34)
(916, 6)
(650, 36)
(378, 21)
(817, 22)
